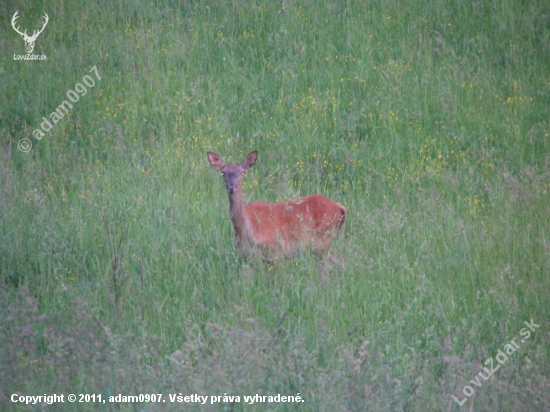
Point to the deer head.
(29, 40)
(233, 173)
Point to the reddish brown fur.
(279, 228)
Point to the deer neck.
(237, 209)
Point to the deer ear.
(250, 160)
(215, 160)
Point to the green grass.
(429, 121)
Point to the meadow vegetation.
(429, 121)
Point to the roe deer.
(278, 229)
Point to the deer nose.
(231, 187)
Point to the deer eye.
(242, 173)
(223, 173)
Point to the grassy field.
(429, 121)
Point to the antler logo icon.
(29, 40)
